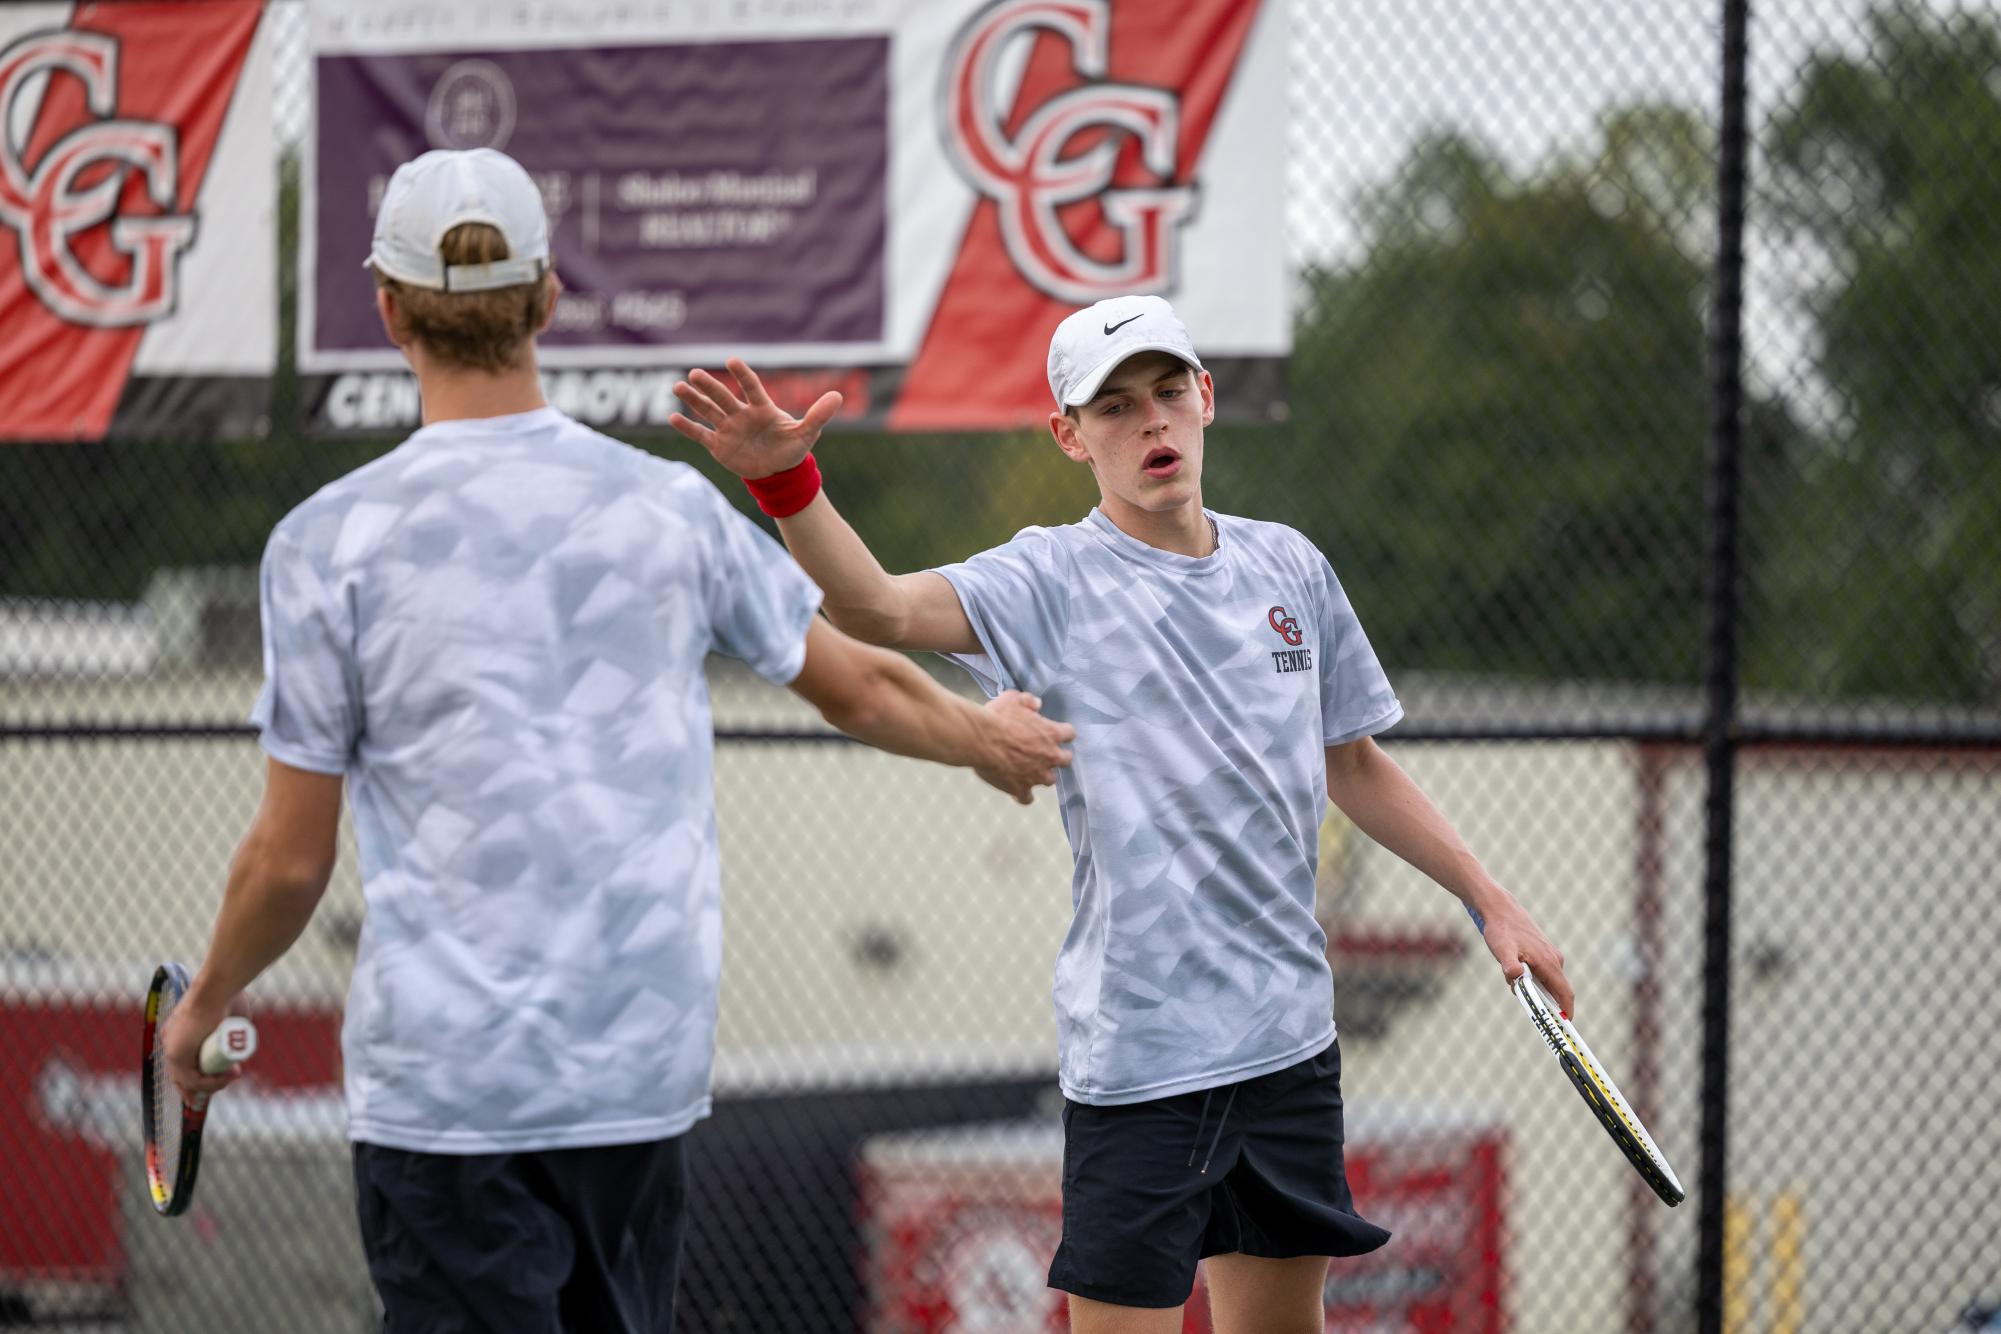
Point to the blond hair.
(475, 331)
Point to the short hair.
(476, 331)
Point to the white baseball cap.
(430, 195)
(1090, 343)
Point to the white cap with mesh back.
(430, 195)
(1090, 343)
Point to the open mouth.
(1162, 462)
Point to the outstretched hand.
(1024, 748)
(1516, 942)
(751, 436)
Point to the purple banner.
(711, 194)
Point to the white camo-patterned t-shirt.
(496, 632)
(1204, 691)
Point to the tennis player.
(495, 635)
(1223, 691)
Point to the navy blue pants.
(558, 1241)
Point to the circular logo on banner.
(472, 106)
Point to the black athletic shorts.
(559, 1241)
(1139, 1208)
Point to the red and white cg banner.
(137, 220)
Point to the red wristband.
(784, 494)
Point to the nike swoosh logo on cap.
(1111, 329)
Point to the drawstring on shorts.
(1203, 1120)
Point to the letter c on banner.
(1028, 175)
(47, 209)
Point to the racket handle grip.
(235, 1040)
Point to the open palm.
(751, 435)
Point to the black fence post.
(1719, 742)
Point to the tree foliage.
(1888, 163)
(1498, 412)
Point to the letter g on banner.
(47, 208)
(1028, 175)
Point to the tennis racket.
(1600, 1094)
(173, 1124)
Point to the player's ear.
(553, 289)
(1208, 388)
(1063, 425)
(392, 318)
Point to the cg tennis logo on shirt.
(1287, 627)
(48, 207)
(1031, 173)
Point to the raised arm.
(756, 439)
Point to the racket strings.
(164, 1156)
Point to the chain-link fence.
(1505, 234)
